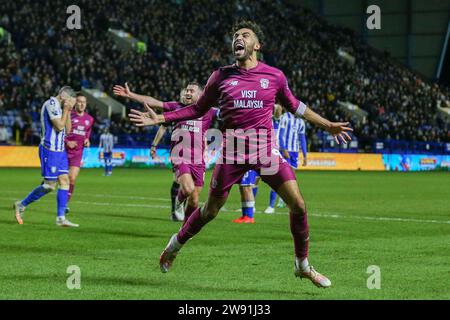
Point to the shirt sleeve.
(209, 97)
(303, 144)
(281, 138)
(170, 106)
(302, 137)
(287, 99)
(281, 132)
(283, 122)
(54, 110)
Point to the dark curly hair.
(248, 24)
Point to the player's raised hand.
(122, 91)
(339, 130)
(69, 103)
(141, 119)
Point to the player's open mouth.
(239, 49)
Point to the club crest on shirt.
(75, 121)
(86, 122)
(264, 83)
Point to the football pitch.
(398, 222)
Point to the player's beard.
(247, 54)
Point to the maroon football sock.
(300, 233)
(187, 213)
(181, 196)
(191, 227)
(173, 193)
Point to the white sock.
(304, 264)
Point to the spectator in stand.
(401, 105)
(4, 134)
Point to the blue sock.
(36, 194)
(255, 191)
(273, 196)
(62, 198)
(248, 208)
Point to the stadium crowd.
(187, 40)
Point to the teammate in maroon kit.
(78, 139)
(246, 93)
(187, 142)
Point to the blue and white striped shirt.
(107, 142)
(50, 137)
(291, 132)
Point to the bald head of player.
(192, 92)
(247, 40)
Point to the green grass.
(124, 227)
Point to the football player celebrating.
(189, 167)
(246, 92)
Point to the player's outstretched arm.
(127, 93)
(143, 119)
(339, 130)
(159, 134)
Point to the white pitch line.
(97, 195)
(121, 197)
(338, 216)
(319, 215)
(122, 204)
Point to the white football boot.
(269, 210)
(169, 254)
(319, 280)
(179, 210)
(281, 203)
(19, 210)
(63, 222)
